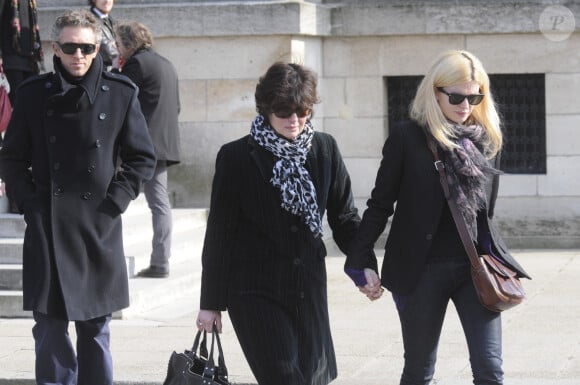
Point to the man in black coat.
(75, 154)
(158, 86)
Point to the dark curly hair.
(286, 85)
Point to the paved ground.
(541, 336)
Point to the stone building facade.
(220, 48)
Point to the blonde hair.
(451, 68)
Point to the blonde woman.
(425, 264)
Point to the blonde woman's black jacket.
(252, 244)
(408, 180)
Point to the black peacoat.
(408, 179)
(158, 85)
(255, 249)
(73, 159)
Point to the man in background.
(158, 86)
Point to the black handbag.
(195, 366)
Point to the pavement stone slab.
(541, 336)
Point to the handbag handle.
(208, 371)
(457, 217)
(203, 346)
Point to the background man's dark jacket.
(158, 86)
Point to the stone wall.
(220, 49)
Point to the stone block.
(525, 53)
(231, 100)
(560, 133)
(353, 97)
(409, 18)
(193, 100)
(518, 185)
(352, 56)
(549, 208)
(333, 95)
(366, 96)
(231, 57)
(190, 181)
(363, 173)
(562, 178)
(559, 88)
(384, 55)
(359, 137)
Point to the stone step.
(145, 294)
(11, 305)
(11, 250)
(11, 276)
(12, 225)
(187, 242)
(137, 233)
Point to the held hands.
(207, 318)
(372, 289)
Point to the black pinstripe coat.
(254, 246)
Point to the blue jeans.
(422, 313)
(56, 361)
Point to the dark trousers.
(422, 313)
(56, 361)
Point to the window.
(520, 100)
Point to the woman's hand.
(372, 289)
(207, 318)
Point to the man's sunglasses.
(71, 48)
(456, 99)
(285, 113)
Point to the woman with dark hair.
(263, 256)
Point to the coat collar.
(89, 83)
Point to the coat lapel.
(264, 159)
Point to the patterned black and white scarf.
(289, 175)
(467, 173)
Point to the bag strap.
(202, 347)
(457, 217)
(209, 370)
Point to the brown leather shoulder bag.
(496, 284)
